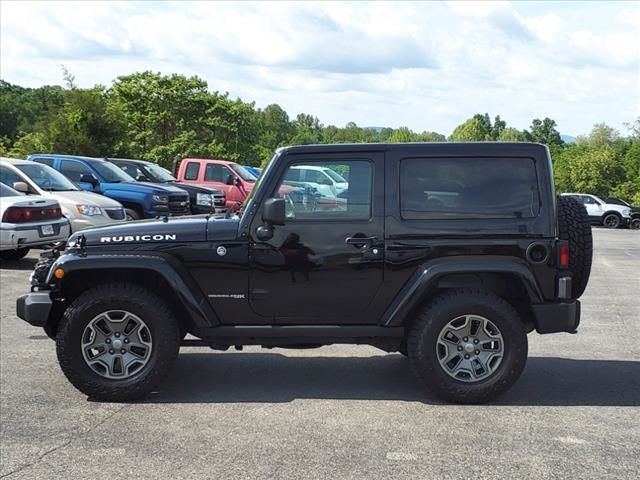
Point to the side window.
(44, 161)
(464, 188)
(216, 173)
(9, 177)
(588, 200)
(192, 171)
(306, 199)
(130, 169)
(73, 170)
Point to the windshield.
(47, 178)
(157, 173)
(243, 172)
(111, 173)
(334, 176)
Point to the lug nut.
(112, 351)
(108, 340)
(475, 341)
(467, 356)
(477, 352)
(123, 351)
(126, 340)
(466, 339)
(459, 348)
(117, 334)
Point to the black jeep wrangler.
(449, 253)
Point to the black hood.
(198, 228)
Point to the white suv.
(326, 181)
(82, 209)
(600, 212)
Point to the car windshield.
(6, 191)
(157, 173)
(334, 175)
(111, 173)
(47, 178)
(243, 172)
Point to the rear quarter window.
(192, 171)
(467, 188)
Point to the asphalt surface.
(338, 412)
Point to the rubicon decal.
(139, 238)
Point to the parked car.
(456, 287)
(82, 209)
(202, 199)
(635, 211)
(140, 200)
(27, 222)
(233, 179)
(609, 215)
(325, 180)
(255, 171)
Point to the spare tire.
(574, 226)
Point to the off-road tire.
(138, 300)
(14, 254)
(423, 335)
(575, 227)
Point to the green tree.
(402, 135)
(544, 131)
(600, 135)
(473, 130)
(511, 135)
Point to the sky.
(428, 66)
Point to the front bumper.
(557, 316)
(34, 308)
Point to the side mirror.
(231, 180)
(21, 187)
(274, 211)
(88, 178)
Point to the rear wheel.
(117, 341)
(14, 254)
(468, 346)
(574, 227)
(612, 220)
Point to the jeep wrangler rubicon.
(449, 253)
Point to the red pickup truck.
(235, 180)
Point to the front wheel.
(117, 341)
(468, 346)
(611, 220)
(635, 223)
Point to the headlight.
(204, 199)
(88, 210)
(626, 212)
(161, 198)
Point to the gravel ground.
(340, 411)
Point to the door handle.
(360, 240)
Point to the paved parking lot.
(338, 412)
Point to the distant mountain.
(376, 129)
(568, 139)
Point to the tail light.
(30, 214)
(563, 255)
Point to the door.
(594, 209)
(325, 265)
(216, 176)
(74, 171)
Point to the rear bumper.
(557, 317)
(34, 308)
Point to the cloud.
(426, 65)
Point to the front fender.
(425, 279)
(187, 292)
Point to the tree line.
(162, 117)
